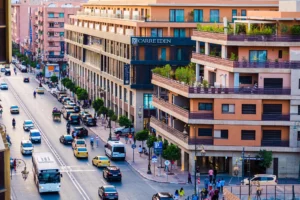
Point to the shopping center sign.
(161, 41)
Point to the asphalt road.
(85, 178)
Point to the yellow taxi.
(101, 161)
(40, 90)
(81, 152)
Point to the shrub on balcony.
(185, 74)
(164, 71)
(295, 30)
(210, 28)
(241, 29)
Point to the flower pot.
(219, 90)
(205, 90)
(226, 90)
(198, 89)
(213, 90)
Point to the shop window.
(205, 106)
(248, 108)
(205, 132)
(245, 79)
(248, 134)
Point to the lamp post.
(202, 153)
(24, 172)
(248, 162)
(109, 126)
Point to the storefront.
(209, 162)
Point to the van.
(67, 112)
(263, 179)
(115, 150)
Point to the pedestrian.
(215, 173)
(118, 136)
(181, 193)
(15, 165)
(126, 138)
(218, 185)
(210, 173)
(75, 134)
(190, 178)
(215, 195)
(97, 140)
(222, 184)
(140, 150)
(130, 137)
(176, 195)
(206, 182)
(211, 193)
(90, 102)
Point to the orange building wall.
(272, 52)
(285, 105)
(238, 109)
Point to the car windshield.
(13, 107)
(110, 189)
(78, 128)
(80, 142)
(28, 122)
(51, 177)
(3, 84)
(104, 158)
(82, 149)
(27, 145)
(75, 117)
(35, 134)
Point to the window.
(51, 53)
(51, 25)
(280, 54)
(248, 108)
(163, 54)
(214, 16)
(61, 34)
(120, 92)
(299, 84)
(205, 132)
(116, 90)
(228, 108)
(148, 101)
(271, 135)
(248, 135)
(61, 15)
(156, 32)
(298, 137)
(198, 15)
(245, 79)
(244, 13)
(205, 106)
(176, 15)
(272, 108)
(179, 32)
(61, 24)
(258, 56)
(50, 34)
(224, 134)
(125, 95)
(234, 13)
(50, 15)
(51, 44)
(131, 98)
(273, 82)
(178, 54)
(298, 110)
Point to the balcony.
(56, 19)
(275, 117)
(53, 48)
(275, 143)
(199, 141)
(246, 64)
(55, 38)
(247, 38)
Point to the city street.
(80, 179)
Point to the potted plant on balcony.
(213, 89)
(205, 85)
(146, 17)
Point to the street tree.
(54, 78)
(114, 118)
(110, 113)
(150, 141)
(266, 158)
(124, 121)
(82, 95)
(97, 104)
(102, 110)
(172, 153)
(142, 136)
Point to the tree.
(54, 78)
(114, 118)
(102, 110)
(172, 153)
(97, 104)
(110, 113)
(150, 141)
(142, 136)
(82, 94)
(68, 84)
(64, 81)
(124, 121)
(267, 158)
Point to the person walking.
(222, 184)
(215, 173)
(218, 185)
(181, 193)
(210, 173)
(97, 141)
(140, 150)
(211, 193)
(126, 138)
(206, 183)
(190, 178)
(130, 138)
(176, 195)
(15, 165)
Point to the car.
(14, 109)
(77, 109)
(54, 91)
(80, 131)
(35, 136)
(112, 173)
(263, 179)
(66, 139)
(82, 113)
(74, 119)
(101, 161)
(65, 99)
(27, 125)
(108, 192)
(90, 121)
(26, 80)
(85, 116)
(7, 72)
(124, 130)
(40, 90)
(26, 147)
(2, 69)
(61, 96)
(3, 86)
(23, 69)
(162, 196)
(66, 113)
(78, 143)
(71, 103)
(81, 152)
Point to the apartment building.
(4, 166)
(5, 32)
(113, 46)
(251, 101)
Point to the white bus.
(115, 150)
(46, 172)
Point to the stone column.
(293, 136)
(224, 52)
(197, 47)
(207, 48)
(197, 72)
(236, 80)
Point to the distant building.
(5, 32)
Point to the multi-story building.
(4, 166)
(112, 46)
(5, 32)
(253, 97)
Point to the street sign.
(167, 162)
(154, 160)
(154, 157)
(158, 147)
(133, 146)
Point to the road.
(80, 179)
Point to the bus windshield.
(52, 177)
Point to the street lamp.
(248, 162)
(202, 153)
(109, 126)
(24, 172)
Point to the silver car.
(27, 125)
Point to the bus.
(46, 172)
(115, 150)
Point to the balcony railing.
(212, 59)
(170, 130)
(275, 117)
(275, 143)
(170, 82)
(199, 141)
(250, 38)
(197, 115)
(241, 90)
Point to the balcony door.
(212, 78)
(273, 82)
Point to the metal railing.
(201, 141)
(265, 38)
(275, 117)
(240, 90)
(275, 143)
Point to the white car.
(26, 147)
(14, 109)
(263, 179)
(35, 136)
(27, 125)
(3, 86)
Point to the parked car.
(66, 113)
(162, 196)
(263, 179)
(74, 119)
(3, 69)
(7, 72)
(90, 121)
(80, 131)
(108, 192)
(124, 130)
(3, 86)
(85, 116)
(112, 173)
(23, 68)
(77, 109)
